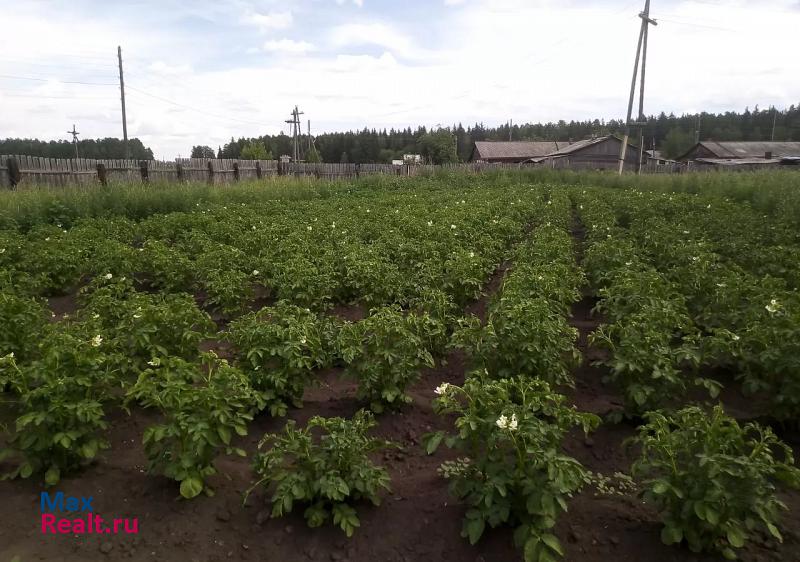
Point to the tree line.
(671, 134)
(100, 149)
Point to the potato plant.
(203, 407)
(324, 467)
(279, 349)
(384, 353)
(712, 480)
(522, 337)
(60, 405)
(514, 471)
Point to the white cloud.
(488, 61)
(162, 68)
(269, 21)
(289, 46)
(453, 2)
(375, 34)
(358, 3)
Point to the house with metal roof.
(599, 153)
(513, 151)
(741, 150)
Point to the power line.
(37, 96)
(204, 112)
(13, 77)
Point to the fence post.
(143, 171)
(181, 173)
(236, 171)
(210, 172)
(14, 173)
(101, 174)
(258, 169)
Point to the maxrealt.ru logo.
(63, 515)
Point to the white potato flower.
(512, 425)
(108, 276)
(502, 422)
(97, 340)
(442, 388)
(773, 306)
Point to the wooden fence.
(20, 171)
(16, 170)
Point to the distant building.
(601, 153)
(412, 158)
(738, 150)
(513, 152)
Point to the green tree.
(312, 156)
(438, 147)
(255, 150)
(677, 143)
(203, 152)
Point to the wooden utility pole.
(641, 55)
(774, 122)
(122, 99)
(74, 134)
(697, 130)
(295, 123)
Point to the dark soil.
(418, 520)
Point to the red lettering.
(64, 526)
(135, 527)
(48, 522)
(116, 523)
(79, 526)
(97, 522)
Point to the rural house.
(513, 152)
(742, 150)
(601, 153)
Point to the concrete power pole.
(122, 99)
(641, 55)
(74, 134)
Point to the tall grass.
(25, 208)
(776, 193)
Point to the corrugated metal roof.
(751, 149)
(516, 149)
(738, 161)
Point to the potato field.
(482, 368)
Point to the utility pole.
(74, 134)
(774, 122)
(122, 98)
(510, 128)
(295, 123)
(697, 130)
(641, 54)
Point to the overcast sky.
(201, 71)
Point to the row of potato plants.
(748, 317)
(511, 420)
(379, 248)
(712, 480)
(651, 340)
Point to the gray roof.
(738, 161)
(751, 149)
(516, 149)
